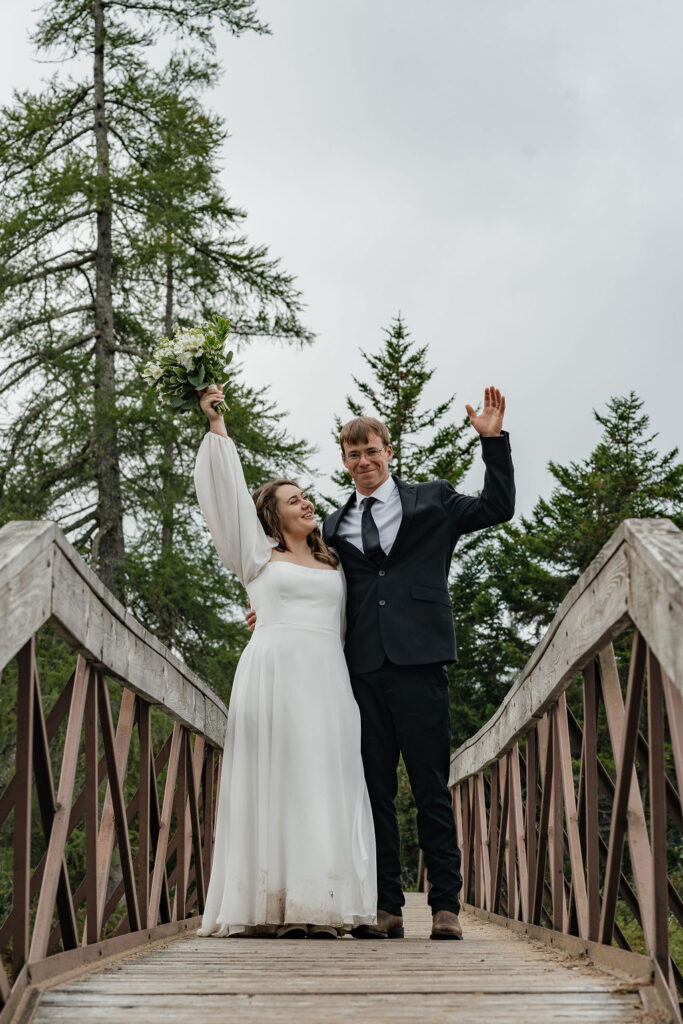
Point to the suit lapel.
(336, 518)
(408, 496)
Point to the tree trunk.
(167, 502)
(166, 626)
(108, 545)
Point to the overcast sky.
(508, 175)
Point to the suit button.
(382, 603)
(382, 572)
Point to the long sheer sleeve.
(229, 509)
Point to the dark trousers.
(405, 710)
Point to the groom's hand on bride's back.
(251, 619)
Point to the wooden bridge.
(567, 804)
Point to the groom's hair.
(358, 430)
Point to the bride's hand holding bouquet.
(211, 399)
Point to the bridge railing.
(110, 820)
(565, 799)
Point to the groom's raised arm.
(496, 503)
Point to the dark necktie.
(370, 534)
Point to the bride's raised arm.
(225, 500)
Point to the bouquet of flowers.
(188, 362)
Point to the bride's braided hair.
(265, 499)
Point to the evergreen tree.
(625, 476)
(186, 262)
(491, 650)
(425, 447)
(110, 208)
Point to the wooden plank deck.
(492, 976)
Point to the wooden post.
(55, 850)
(616, 840)
(590, 790)
(146, 762)
(22, 807)
(119, 806)
(530, 817)
(91, 811)
(657, 776)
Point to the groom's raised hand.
(489, 422)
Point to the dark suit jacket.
(401, 609)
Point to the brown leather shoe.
(446, 925)
(389, 926)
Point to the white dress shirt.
(387, 513)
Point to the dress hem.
(221, 931)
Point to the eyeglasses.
(371, 453)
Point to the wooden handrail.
(43, 580)
(636, 579)
(542, 843)
(53, 925)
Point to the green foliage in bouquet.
(188, 362)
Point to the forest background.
(115, 225)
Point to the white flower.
(189, 341)
(152, 372)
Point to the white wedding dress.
(294, 835)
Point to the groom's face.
(368, 463)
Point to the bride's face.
(296, 512)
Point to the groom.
(396, 542)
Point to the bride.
(294, 848)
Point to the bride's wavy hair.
(265, 499)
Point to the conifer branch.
(46, 318)
(37, 359)
(48, 271)
(130, 350)
(50, 229)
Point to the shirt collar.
(383, 493)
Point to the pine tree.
(625, 476)
(425, 447)
(110, 207)
(491, 649)
(187, 261)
